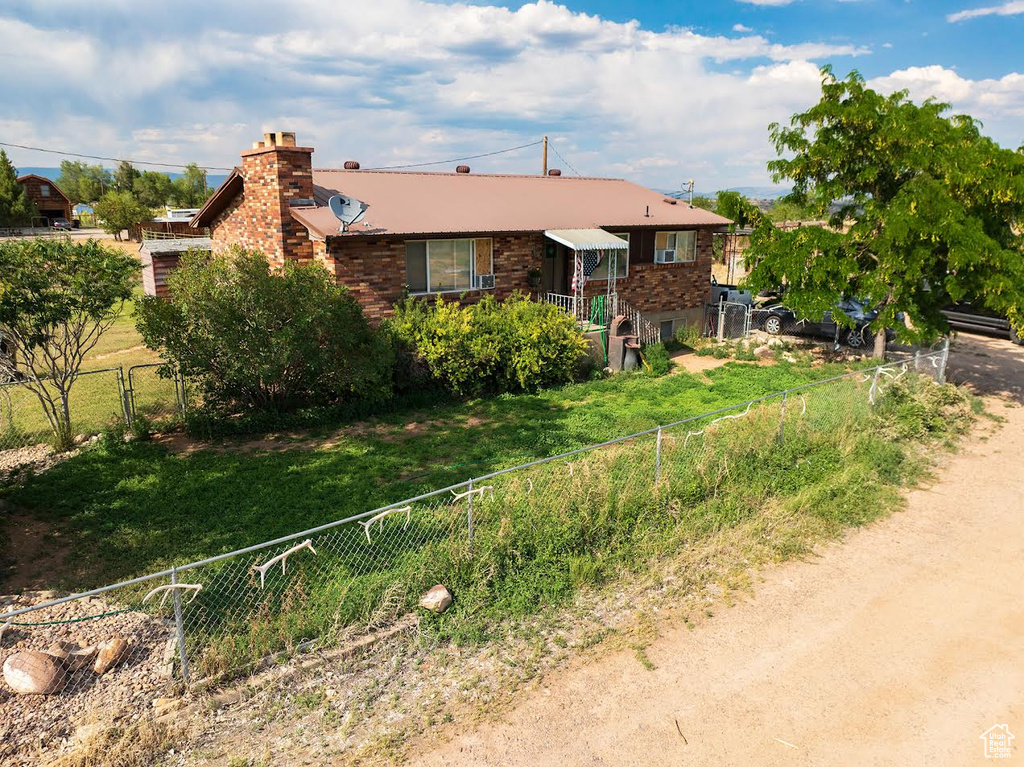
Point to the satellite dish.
(348, 210)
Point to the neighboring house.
(164, 239)
(464, 233)
(47, 196)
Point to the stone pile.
(67, 673)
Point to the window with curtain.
(675, 247)
(443, 266)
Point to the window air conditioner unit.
(667, 257)
(485, 282)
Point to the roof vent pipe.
(351, 165)
(554, 172)
(462, 169)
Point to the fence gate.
(726, 320)
(150, 395)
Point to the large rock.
(111, 652)
(70, 655)
(437, 600)
(34, 673)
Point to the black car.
(974, 320)
(781, 319)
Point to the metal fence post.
(872, 392)
(469, 516)
(179, 627)
(721, 321)
(657, 458)
(782, 420)
(125, 403)
(945, 359)
(917, 360)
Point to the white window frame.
(473, 271)
(624, 236)
(659, 255)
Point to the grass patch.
(545, 535)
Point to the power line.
(108, 159)
(569, 164)
(459, 159)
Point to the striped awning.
(587, 239)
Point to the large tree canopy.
(82, 182)
(16, 209)
(924, 211)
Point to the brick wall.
(260, 218)
(664, 291)
(374, 270)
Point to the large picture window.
(675, 247)
(621, 265)
(444, 266)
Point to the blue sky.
(659, 92)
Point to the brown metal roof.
(415, 203)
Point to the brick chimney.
(277, 172)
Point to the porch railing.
(602, 310)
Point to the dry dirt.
(900, 645)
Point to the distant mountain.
(212, 179)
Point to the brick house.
(463, 233)
(47, 196)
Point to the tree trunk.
(880, 344)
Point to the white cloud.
(1006, 9)
(741, 28)
(400, 81)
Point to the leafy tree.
(253, 338)
(58, 299)
(737, 208)
(82, 182)
(787, 210)
(125, 176)
(118, 211)
(153, 188)
(701, 201)
(16, 209)
(931, 212)
(190, 190)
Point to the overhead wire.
(108, 159)
(559, 155)
(458, 159)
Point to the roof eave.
(219, 200)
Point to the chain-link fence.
(726, 319)
(98, 399)
(510, 535)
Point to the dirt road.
(900, 645)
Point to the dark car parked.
(974, 320)
(782, 319)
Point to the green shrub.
(257, 339)
(656, 357)
(491, 346)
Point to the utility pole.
(544, 172)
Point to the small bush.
(656, 356)
(257, 339)
(490, 347)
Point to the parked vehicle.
(970, 318)
(782, 319)
(62, 224)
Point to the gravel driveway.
(900, 645)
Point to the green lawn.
(126, 509)
(136, 509)
(95, 397)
